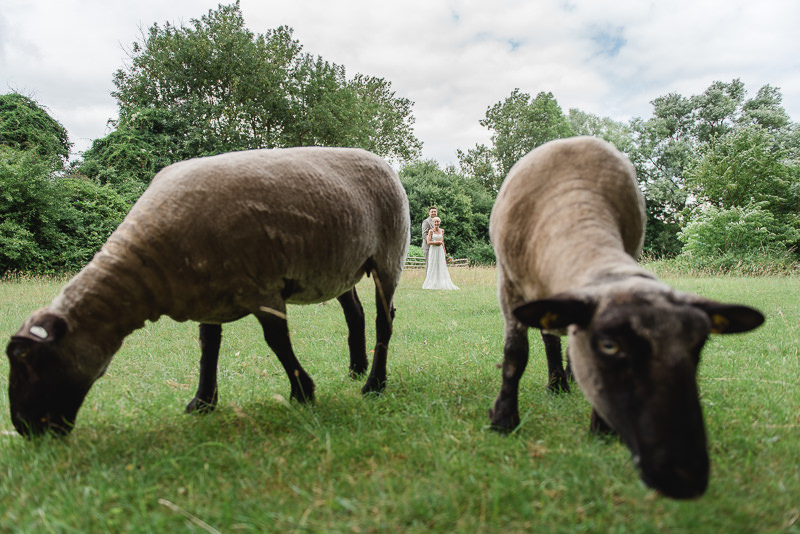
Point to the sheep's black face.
(43, 396)
(637, 365)
(635, 357)
(43, 390)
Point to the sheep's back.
(567, 209)
(220, 237)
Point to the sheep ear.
(557, 312)
(730, 318)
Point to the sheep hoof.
(300, 395)
(503, 422)
(373, 385)
(558, 383)
(358, 371)
(201, 406)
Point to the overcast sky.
(453, 58)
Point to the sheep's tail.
(381, 294)
(371, 270)
(273, 311)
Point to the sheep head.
(45, 389)
(634, 354)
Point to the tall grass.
(418, 458)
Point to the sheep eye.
(608, 346)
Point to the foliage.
(518, 125)
(143, 143)
(617, 133)
(480, 253)
(98, 210)
(662, 148)
(723, 238)
(689, 141)
(214, 86)
(25, 125)
(33, 214)
(415, 251)
(744, 166)
(50, 224)
(463, 205)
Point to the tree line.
(720, 170)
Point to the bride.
(436, 275)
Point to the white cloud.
(452, 58)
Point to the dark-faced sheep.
(566, 227)
(213, 240)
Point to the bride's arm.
(430, 232)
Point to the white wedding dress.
(437, 276)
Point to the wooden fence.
(419, 263)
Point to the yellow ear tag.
(548, 319)
(719, 323)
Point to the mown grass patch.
(420, 457)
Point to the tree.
(617, 133)
(48, 222)
(686, 138)
(214, 87)
(383, 121)
(724, 238)
(717, 108)
(25, 125)
(661, 149)
(766, 110)
(29, 206)
(518, 125)
(142, 144)
(745, 166)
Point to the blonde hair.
(436, 219)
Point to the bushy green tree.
(26, 126)
(31, 211)
(723, 238)
(214, 86)
(517, 124)
(716, 145)
(617, 133)
(50, 224)
(661, 150)
(143, 143)
(744, 166)
(96, 212)
(464, 207)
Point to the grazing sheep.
(566, 227)
(213, 240)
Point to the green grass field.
(419, 458)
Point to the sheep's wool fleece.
(214, 239)
(560, 202)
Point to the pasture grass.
(420, 457)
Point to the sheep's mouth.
(50, 423)
(37, 412)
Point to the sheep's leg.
(556, 376)
(376, 381)
(205, 400)
(504, 416)
(276, 333)
(356, 332)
